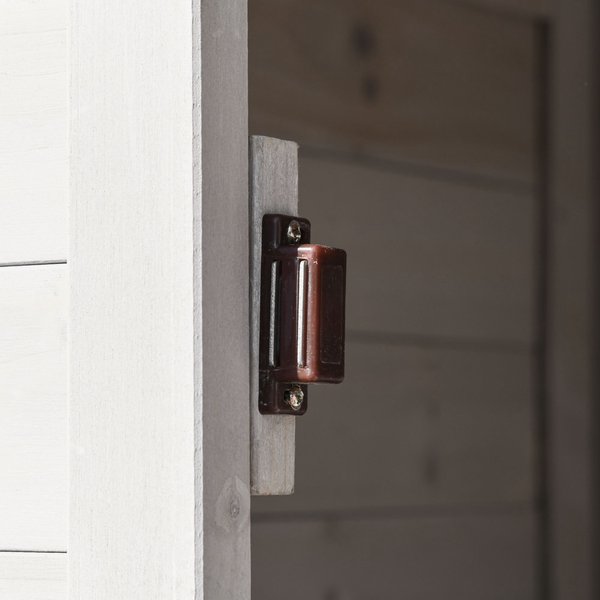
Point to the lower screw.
(294, 397)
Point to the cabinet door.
(159, 320)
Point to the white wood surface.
(33, 408)
(159, 327)
(33, 576)
(426, 257)
(438, 83)
(273, 189)
(415, 427)
(454, 556)
(33, 130)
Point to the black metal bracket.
(301, 315)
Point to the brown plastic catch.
(302, 315)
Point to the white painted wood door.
(160, 501)
(153, 291)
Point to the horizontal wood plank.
(33, 130)
(467, 558)
(416, 427)
(426, 257)
(33, 408)
(437, 82)
(33, 576)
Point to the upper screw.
(294, 232)
(294, 397)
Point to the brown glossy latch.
(303, 289)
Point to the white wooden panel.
(438, 83)
(33, 408)
(33, 576)
(462, 557)
(426, 257)
(273, 189)
(33, 130)
(417, 426)
(159, 326)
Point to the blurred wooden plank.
(432, 82)
(427, 558)
(33, 576)
(416, 426)
(426, 257)
(33, 408)
(33, 130)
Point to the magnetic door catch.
(302, 315)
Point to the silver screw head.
(294, 397)
(294, 232)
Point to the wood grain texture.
(415, 427)
(436, 83)
(33, 408)
(33, 130)
(573, 328)
(426, 257)
(273, 189)
(33, 576)
(458, 556)
(159, 324)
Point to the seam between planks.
(9, 551)
(35, 263)
(407, 512)
(420, 170)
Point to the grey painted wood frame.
(273, 189)
(159, 322)
(572, 381)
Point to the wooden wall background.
(419, 131)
